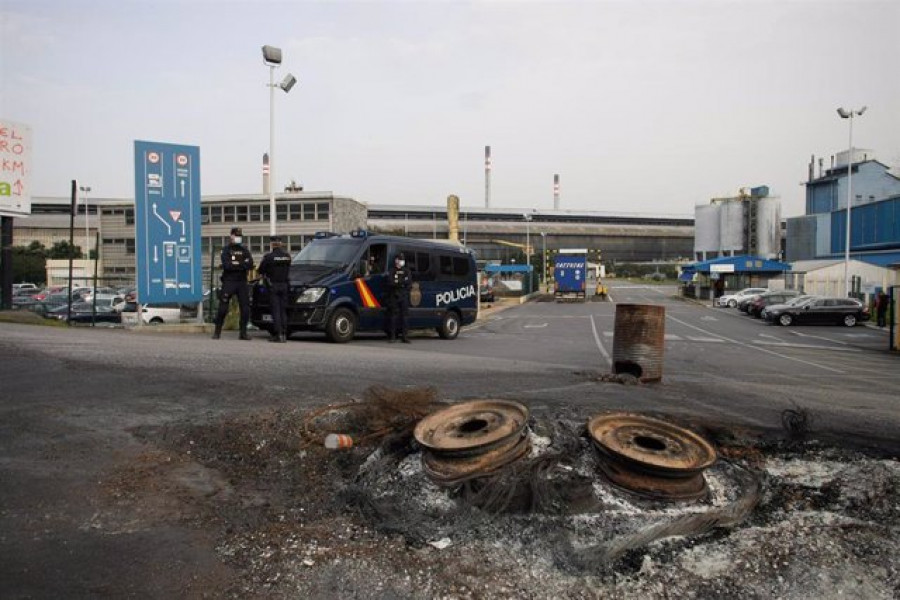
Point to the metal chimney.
(487, 176)
(453, 217)
(812, 167)
(265, 173)
(556, 192)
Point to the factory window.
(323, 211)
(295, 211)
(215, 214)
(281, 212)
(309, 211)
(255, 212)
(129, 216)
(228, 214)
(129, 246)
(241, 213)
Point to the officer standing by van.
(236, 263)
(275, 267)
(398, 286)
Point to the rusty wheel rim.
(472, 427)
(651, 457)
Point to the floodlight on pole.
(849, 114)
(272, 58)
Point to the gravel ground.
(297, 520)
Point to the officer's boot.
(218, 332)
(283, 338)
(244, 335)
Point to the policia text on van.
(338, 285)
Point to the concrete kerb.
(177, 328)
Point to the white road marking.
(708, 318)
(814, 346)
(535, 326)
(599, 343)
(705, 339)
(757, 348)
(817, 337)
(671, 337)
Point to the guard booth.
(712, 278)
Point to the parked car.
(101, 291)
(24, 287)
(84, 312)
(152, 314)
(822, 311)
(792, 302)
(731, 300)
(744, 304)
(761, 301)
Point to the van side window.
(376, 259)
(460, 267)
(423, 267)
(446, 265)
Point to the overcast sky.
(647, 107)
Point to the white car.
(732, 300)
(152, 314)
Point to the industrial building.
(874, 220)
(496, 234)
(746, 224)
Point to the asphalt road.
(70, 401)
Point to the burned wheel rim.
(651, 457)
(472, 427)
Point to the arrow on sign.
(155, 254)
(168, 227)
(174, 214)
(182, 188)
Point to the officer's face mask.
(400, 263)
(237, 239)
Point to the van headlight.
(310, 295)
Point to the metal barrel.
(639, 340)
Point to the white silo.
(731, 226)
(706, 230)
(768, 227)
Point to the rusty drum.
(639, 341)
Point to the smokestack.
(832, 161)
(812, 167)
(487, 176)
(453, 217)
(265, 172)
(556, 192)
(821, 166)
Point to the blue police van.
(338, 284)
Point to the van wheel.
(156, 321)
(449, 327)
(341, 326)
(850, 320)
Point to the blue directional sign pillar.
(167, 222)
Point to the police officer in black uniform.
(275, 267)
(398, 286)
(236, 263)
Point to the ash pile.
(484, 499)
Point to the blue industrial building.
(875, 217)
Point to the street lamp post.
(543, 257)
(272, 58)
(849, 114)
(85, 189)
(528, 248)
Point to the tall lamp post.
(849, 114)
(527, 217)
(85, 189)
(543, 257)
(272, 57)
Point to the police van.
(338, 284)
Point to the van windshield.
(328, 252)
